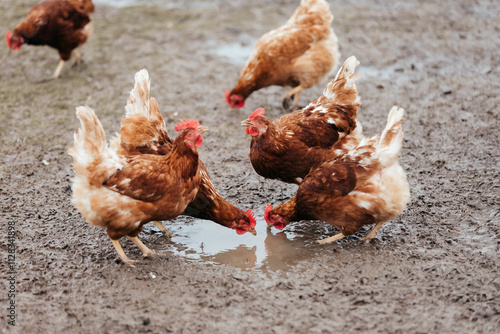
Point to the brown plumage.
(365, 186)
(299, 54)
(62, 24)
(289, 147)
(143, 131)
(123, 192)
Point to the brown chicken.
(122, 193)
(298, 54)
(365, 186)
(62, 24)
(143, 131)
(289, 147)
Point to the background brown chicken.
(121, 193)
(143, 131)
(365, 186)
(62, 24)
(287, 148)
(298, 54)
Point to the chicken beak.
(246, 123)
(253, 231)
(202, 129)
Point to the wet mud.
(434, 268)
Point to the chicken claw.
(373, 233)
(146, 252)
(121, 253)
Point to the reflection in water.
(206, 241)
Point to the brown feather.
(145, 132)
(301, 52)
(364, 186)
(296, 142)
(58, 24)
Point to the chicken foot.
(373, 233)
(121, 253)
(60, 66)
(292, 95)
(163, 229)
(146, 252)
(329, 240)
(57, 72)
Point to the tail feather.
(391, 141)
(89, 140)
(138, 101)
(342, 90)
(92, 158)
(143, 122)
(308, 8)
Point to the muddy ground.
(435, 267)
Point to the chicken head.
(14, 42)
(193, 131)
(256, 124)
(234, 100)
(274, 219)
(243, 226)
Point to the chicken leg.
(146, 252)
(57, 72)
(293, 94)
(78, 58)
(329, 240)
(163, 229)
(60, 66)
(373, 233)
(121, 253)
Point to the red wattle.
(7, 37)
(280, 226)
(267, 210)
(199, 141)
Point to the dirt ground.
(434, 269)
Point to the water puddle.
(272, 250)
(235, 53)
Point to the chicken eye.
(260, 122)
(190, 134)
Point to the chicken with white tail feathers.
(365, 186)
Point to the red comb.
(267, 210)
(8, 35)
(185, 124)
(251, 218)
(258, 112)
(226, 95)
